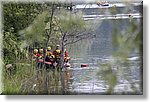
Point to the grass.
(12, 81)
(26, 79)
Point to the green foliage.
(128, 41)
(13, 82)
(10, 41)
(19, 15)
(70, 22)
(36, 31)
(16, 17)
(113, 10)
(24, 76)
(55, 35)
(10, 47)
(73, 24)
(108, 75)
(23, 25)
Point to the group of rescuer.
(51, 56)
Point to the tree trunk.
(49, 34)
(62, 64)
(50, 30)
(62, 55)
(62, 51)
(50, 27)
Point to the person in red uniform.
(48, 50)
(57, 54)
(49, 55)
(66, 56)
(49, 58)
(40, 54)
(35, 54)
(40, 58)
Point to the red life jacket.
(40, 55)
(66, 54)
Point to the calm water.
(88, 81)
(122, 77)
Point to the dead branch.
(80, 38)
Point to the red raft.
(84, 65)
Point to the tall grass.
(13, 80)
(28, 79)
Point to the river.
(90, 80)
(106, 74)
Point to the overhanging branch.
(81, 38)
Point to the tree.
(34, 34)
(19, 15)
(16, 18)
(73, 29)
(64, 26)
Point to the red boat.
(84, 65)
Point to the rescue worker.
(66, 56)
(35, 54)
(49, 58)
(48, 50)
(40, 58)
(57, 54)
(40, 54)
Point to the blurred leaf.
(70, 22)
